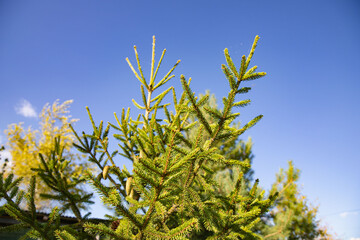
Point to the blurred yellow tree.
(25, 145)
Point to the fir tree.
(292, 217)
(170, 193)
(173, 190)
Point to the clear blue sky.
(310, 98)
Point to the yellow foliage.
(25, 145)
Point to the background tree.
(231, 148)
(292, 217)
(25, 145)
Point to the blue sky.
(310, 98)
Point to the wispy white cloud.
(355, 238)
(351, 213)
(25, 109)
